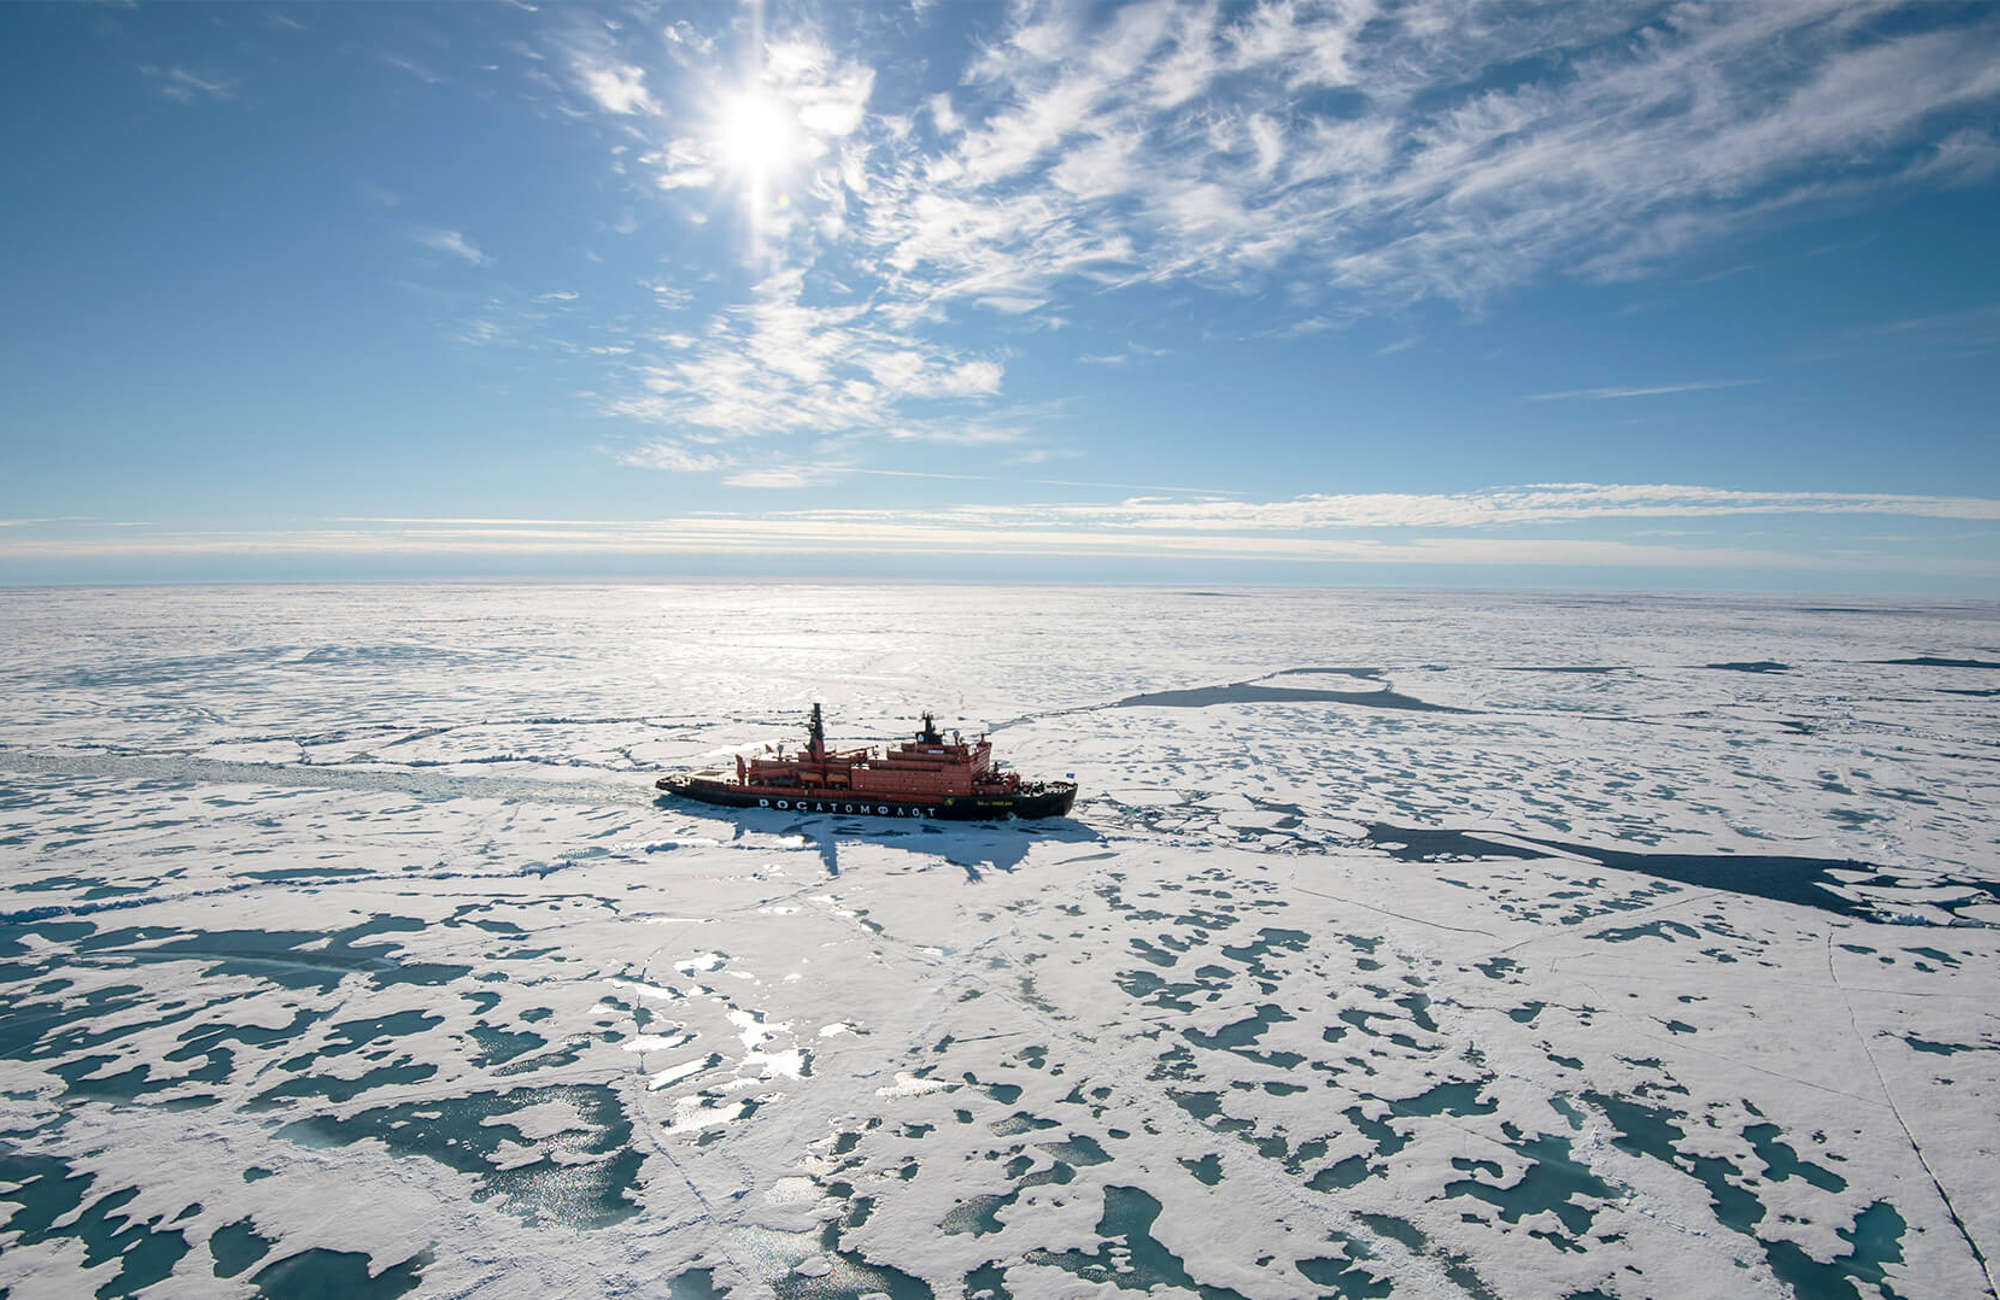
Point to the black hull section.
(1051, 799)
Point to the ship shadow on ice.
(972, 847)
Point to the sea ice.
(1449, 945)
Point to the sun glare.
(755, 135)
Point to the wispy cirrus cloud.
(1537, 504)
(1649, 133)
(412, 67)
(716, 535)
(673, 457)
(616, 87)
(784, 363)
(783, 476)
(1461, 529)
(454, 243)
(1360, 156)
(184, 87)
(1658, 390)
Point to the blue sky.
(1562, 294)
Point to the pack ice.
(1400, 944)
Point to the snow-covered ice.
(1423, 943)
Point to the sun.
(755, 135)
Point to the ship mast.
(817, 734)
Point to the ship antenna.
(817, 734)
(929, 735)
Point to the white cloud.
(830, 98)
(943, 116)
(672, 457)
(969, 433)
(616, 87)
(1424, 185)
(1011, 304)
(453, 242)
(1353, 155)
(184, 87)
(404, 63)
(682, 164)
(1315, 530)
(481, 330)
(1500, 507)
(785, 364)
(1609, 394)
(1967, 157)
(1189, 512)
(783, 476)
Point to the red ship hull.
(928, 777)
(1047, 799)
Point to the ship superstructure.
(927, 776)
